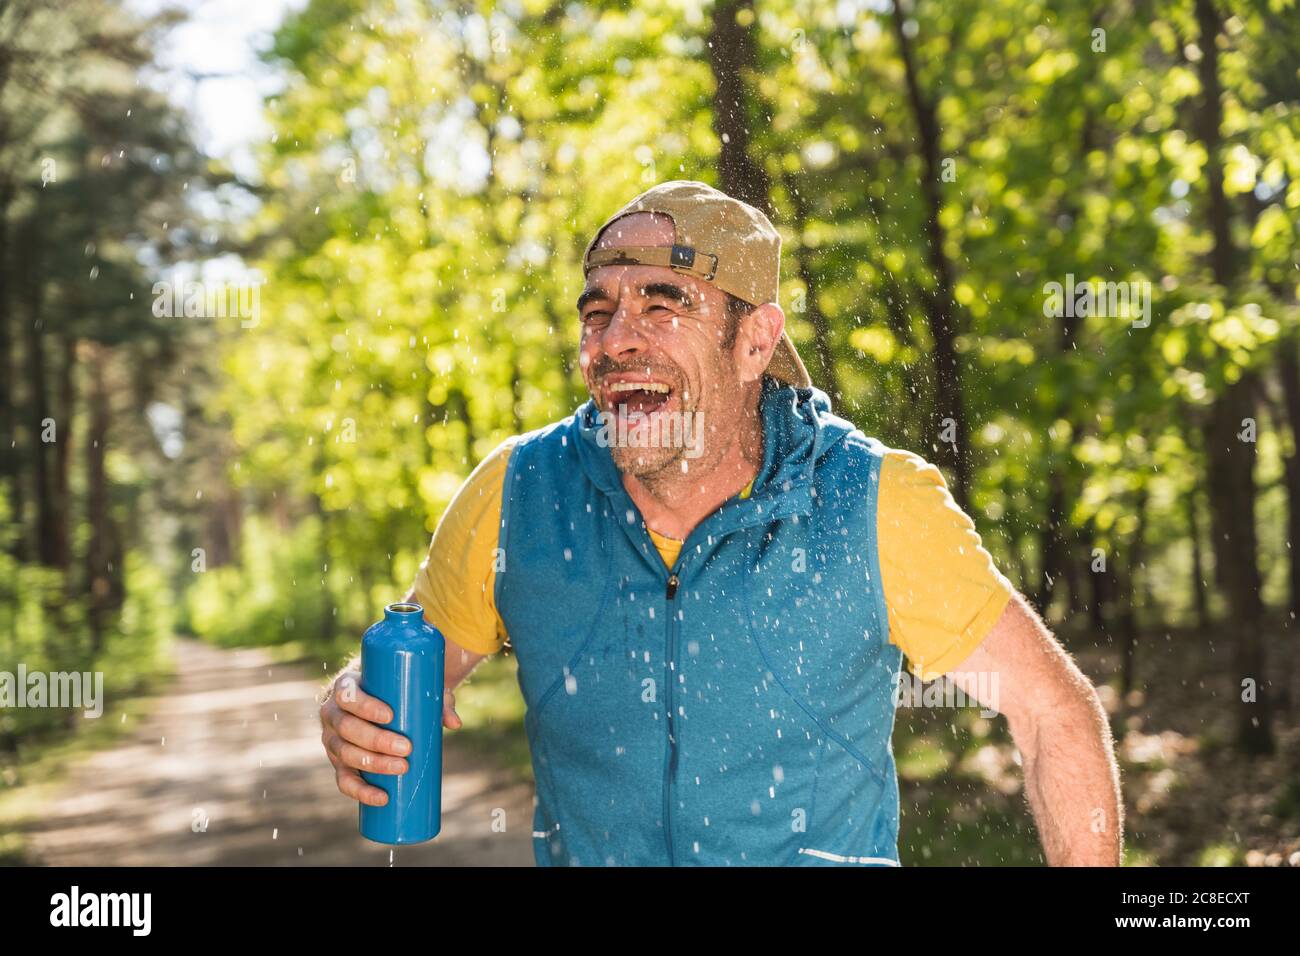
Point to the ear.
(756, 340)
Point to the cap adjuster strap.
(678, 257)
(684, 257)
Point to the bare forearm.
(458, 662)
(1072, 783)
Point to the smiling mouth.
(643, 397)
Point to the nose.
(625, 335)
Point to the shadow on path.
(236, 739)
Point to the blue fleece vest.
(735, 709)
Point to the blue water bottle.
(402, 665)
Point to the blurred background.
(276, 274)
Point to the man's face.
(652, 354)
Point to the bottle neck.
(404, 613)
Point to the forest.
(1052, 246)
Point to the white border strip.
(836, 858)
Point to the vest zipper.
(670, 768)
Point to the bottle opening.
(405, 608)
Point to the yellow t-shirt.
(942, 591)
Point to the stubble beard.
(669, 471)
(666, 465)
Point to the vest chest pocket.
(814, 615)
(617, 674)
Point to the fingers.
(354, 743)
(450, 719)
(345, 755)
(351, 785)
(354, 700)
(367, 736)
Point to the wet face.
(653, 356)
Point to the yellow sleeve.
(455, 583)
(942, 591)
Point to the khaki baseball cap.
(717, 239)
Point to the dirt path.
(237, 740)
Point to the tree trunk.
(1057, 543)
(1051, 546)
(900, 324)
(1091, 596)
(826, 376)
(47, 551)
(732, 55)
(327, 628)
(1231, 489)
(60, 493)
(221, 537)
(9, 472)
(950, 427)
(1289, 368)
(1131, 590)
(101, 549)
(1199, 596)
(1231, 460)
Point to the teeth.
(639, 387)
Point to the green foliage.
(135, 651)
(434, 174)
(274, 595)
(45, 631)
(97, 180)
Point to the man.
(709, 628)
